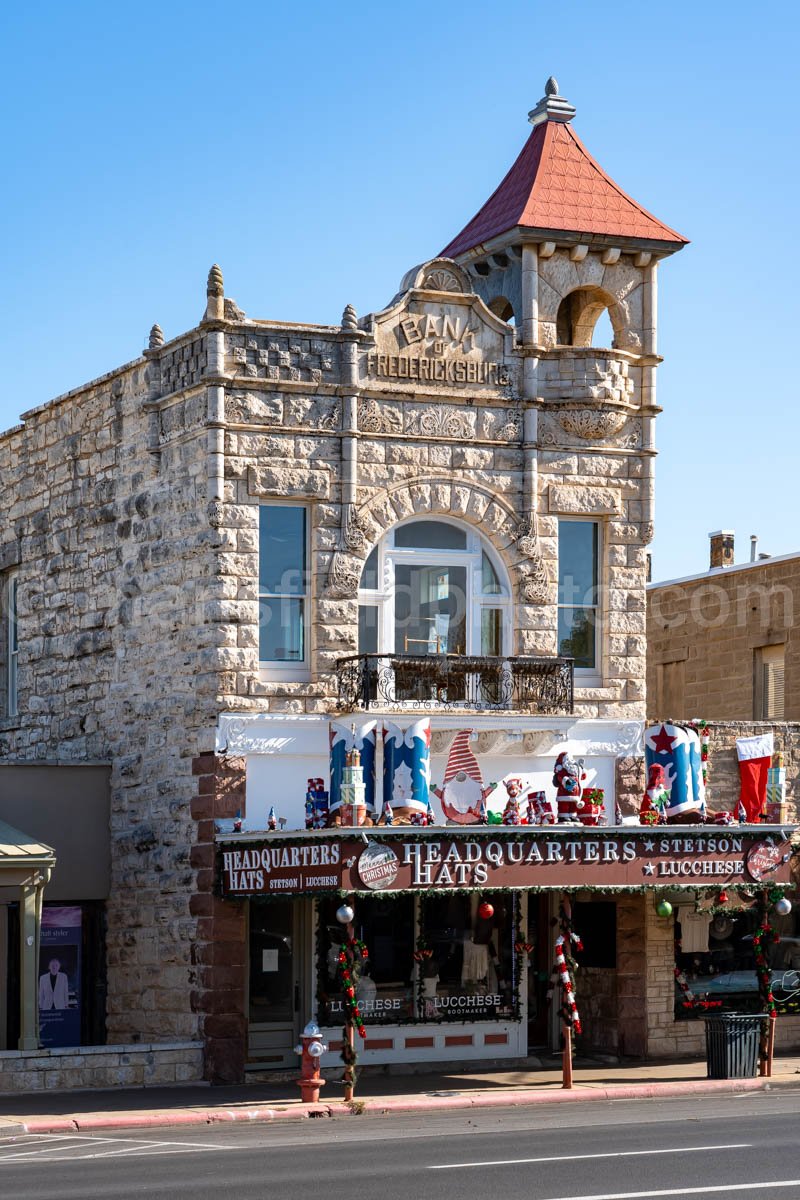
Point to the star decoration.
(649, 847)
(649, 869)
(662, 742)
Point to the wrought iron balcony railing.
(446, 681)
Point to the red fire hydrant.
(311, 1049)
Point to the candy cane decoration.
(569, 1009)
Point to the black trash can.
(732, 1041)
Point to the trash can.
(732, 1041)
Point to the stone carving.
(349, 318)
(376, 418)
(343, 576)
(648, 532)
(441, 280)
(441, 421)
(533, 585)
(504, 425)
(253, 408)
(316, 414)
(156, 338)
(215, 285)
(354, 531)
(216, 513)
(591, 424)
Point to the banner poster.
(60, 977)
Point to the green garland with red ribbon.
(351, 952)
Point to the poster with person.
(60, 977)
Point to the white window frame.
(589, 676)
(298, 671)
(389, 556)
(12, 644)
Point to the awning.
(21, 856)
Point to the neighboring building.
(440, 510)
(725, 644)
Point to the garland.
(351, 950)
(701, 729)
(765, 933)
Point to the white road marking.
(688, 1191)
(71, 1147)
(513, 1162)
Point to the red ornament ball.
(485, 910)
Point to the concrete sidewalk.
(376, 1094)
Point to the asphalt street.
(727, 1145)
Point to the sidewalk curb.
(164, 1118)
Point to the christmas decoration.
(701, 729)
(783, 907)
(388, 816)
(776, 792)
(523, 947)
(485, 910)
(568, 779)
(653, 809)
(664, 908)
(463, 794)
(594, 807)
(406, 767)
(345, 914)
(677, 749)
(755, 758)
(272, 820)
(511, 813)
(565, 968)
(351, 954)
(317, 805)
(352, 808)
(345, 738)
(541, 810)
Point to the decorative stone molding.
(343, 577)
(156, 338)
(648, 533)
(349, 319)
(465, 501)
(503, 425)
(377, 418)
(438, 275)
(533, 584)
(591, 424)
(441, 421)
(558, 429)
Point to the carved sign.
(457, 344)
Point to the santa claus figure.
(655, 801)
(568, 779)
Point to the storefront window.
(469, 974)
(437, 961)
(715, 967)
(385, 986)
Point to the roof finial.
(156, 338)
(552, 106)
(215, 286)
(349, 318)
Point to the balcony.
(442, 682)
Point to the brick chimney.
(721, 548)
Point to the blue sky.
(317, 151)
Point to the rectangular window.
(12, 646)
(578, 592)
(282, 584)
(768, 670)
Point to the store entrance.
(274, 984)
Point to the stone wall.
(88, 1067)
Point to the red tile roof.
(556, 184)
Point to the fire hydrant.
(311, 1049)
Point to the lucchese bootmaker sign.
(277, 865)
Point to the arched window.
(502, 308)
(434, 586)
(584, 319)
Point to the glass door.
(274, 992)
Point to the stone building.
(724, 643)
(256, 528)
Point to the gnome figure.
(653, 809)
(568, 779)
(463, 794)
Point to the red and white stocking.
(755, 760)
